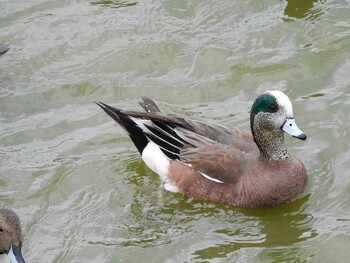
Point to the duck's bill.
(292, 129)
(15, 254)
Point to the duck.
(217, 164)
(10, 237)
(4, 47)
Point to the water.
(76, 180)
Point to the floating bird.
(10, 237)
(217, 164)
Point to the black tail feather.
(153, 126)
(114, 113)
(135, 132)
(176, 141)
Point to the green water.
(76, 180)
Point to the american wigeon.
(10, 237)
(214, 163)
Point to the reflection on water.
(302, 8)
(210, 231)
(114, 4)
(276, 228)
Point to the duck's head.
(273, 111)
(10, 236)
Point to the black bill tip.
(302, 136)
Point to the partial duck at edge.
(10, 237)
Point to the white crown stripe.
(284, 101)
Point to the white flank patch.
(159, 163)
(156, 160)
(284, 101)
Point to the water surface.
(76, 180)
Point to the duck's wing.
(177, 138)
(235, 138)
(242, 141)
(216, 163)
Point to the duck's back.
(239, 140)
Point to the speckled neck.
(271, 145)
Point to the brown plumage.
(11, 235)
(214, 163)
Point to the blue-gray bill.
(290, 127)
(15, 254)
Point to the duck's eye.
(272, 108)
(1, 229)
